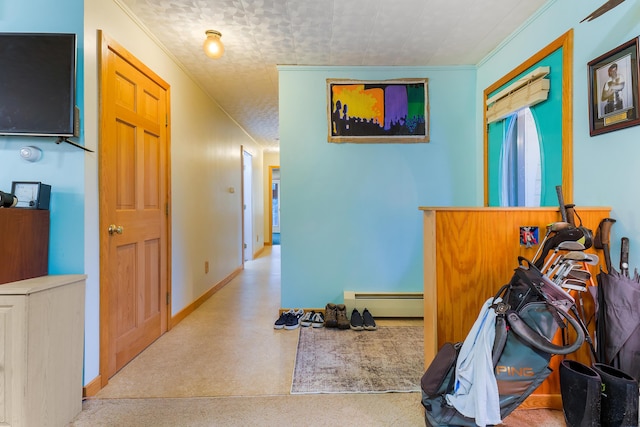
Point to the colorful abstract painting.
(378, 111)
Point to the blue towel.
(475, 394)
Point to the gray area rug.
(390, 359)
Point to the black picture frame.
(613, 89)
(360, 110)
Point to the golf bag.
(528, 312)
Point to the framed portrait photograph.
(613, 89)
(386, 111)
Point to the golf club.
(551, 228)
(579, 274)
(602, 239)
(555, 259)
(574, 285)
(562, 246)
(571, 260)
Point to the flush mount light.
(213, 46)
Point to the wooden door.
(133, 207)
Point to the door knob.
(115, 229)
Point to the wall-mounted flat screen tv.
(37, 84)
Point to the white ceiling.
(260, 34)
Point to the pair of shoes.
(282, 320)
(336, 316)
(364, 321)
(341, 317)
(289, 319)
(311, 318)
(317, 320)
(331, 315)
(306, 320)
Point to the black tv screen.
(37, 84)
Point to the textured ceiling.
(260, 34)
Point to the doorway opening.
(274, 202)
(247, 208)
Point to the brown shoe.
(341, 314)
(330, 316)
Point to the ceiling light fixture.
(213, 46)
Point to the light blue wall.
(62, 166)
(605, 166)
(350, 218)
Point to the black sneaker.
(369, 323)
(282, 320)
(293, 321)
(356, 321)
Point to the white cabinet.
(41, 350)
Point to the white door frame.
(247, 208)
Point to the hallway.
(232, 329)
(225, 365)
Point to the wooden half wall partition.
(469, 253)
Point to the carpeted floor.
(390, 359)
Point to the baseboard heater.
(386, 304)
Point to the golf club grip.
(605, 240)
(624, 256)
(605, 228)
(570, 212)
(563, 210)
